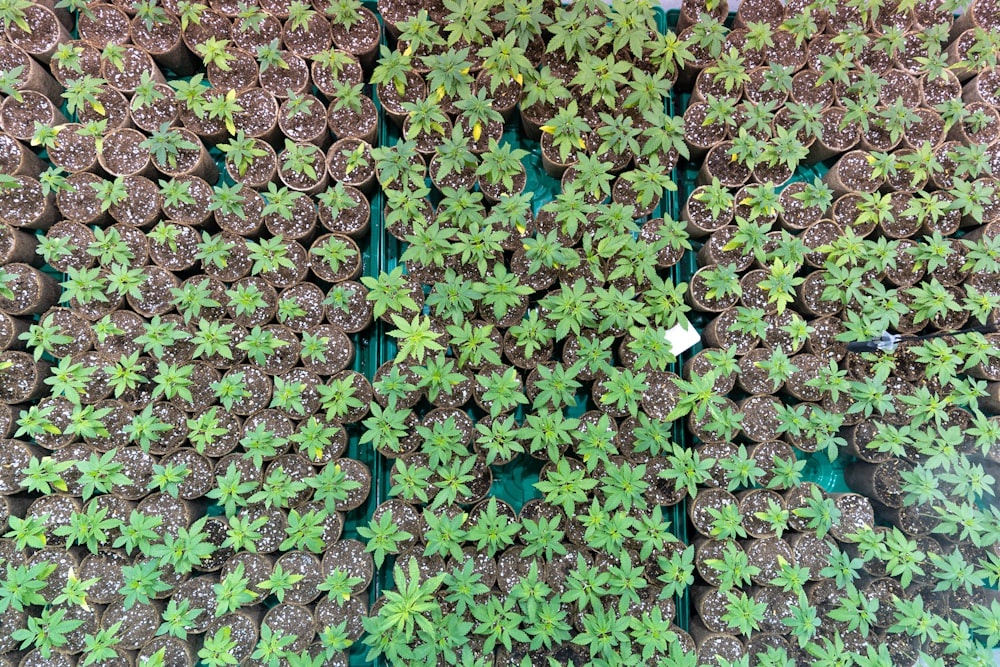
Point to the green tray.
(514, 482)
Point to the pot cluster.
(183, 337)
(846, 187)
(526, 293)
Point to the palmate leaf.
(383, 537)
(416, 338)
(406, 607)
(19, 588)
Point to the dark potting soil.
(710, 550)
(811, 553)
(361, 38)
(708, 499)
(350, 557)
(716, 647)
(855, 514)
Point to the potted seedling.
(500, 171)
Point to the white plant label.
(682, 337)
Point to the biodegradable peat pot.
(306, 123)
(504, 91)
(190, 161)
(708, 499)
(196, 211)
(534, 117)
(34, 291)
(74, 151)
(298, 179)
(979, 14)
(552, 160)
(292, 621)
(326, 76)
(753, 501)
(767, 554)
(279, 80)
(162, 40)
(45, 32)
(141, 205)
(719, 164)
(14, 456)
(707, 549)
(335, 258)
(992, 400)
(138, 623)
(78, 236)
(720, 332)
(701, 219)
(299, 225)
(18, 246)
(760, 417)
(126, 76)
(836, 136)
(35, 658)
(66, 322)
(11, 329)
(241, 73)
(26, 205)
(795, 214)
(360, 39)
(33, 76)
(347, 122)
(23, 377)
(309, 38)
(116, 109)
(150, 115)
(495, 192)
(852, 173)
(259, 117)
(350, 215)
(856, 513)
(392, 100)
(104, 24)
(154, 296)
(247, 225)
(17, 160)
(251, 33)
(700, 135)
(984, 87)
(713, 645)
(349, 161)
(86, 62)
(706, 86)
(967, 133)
(122, 154)
(881, 482)
(258, 170)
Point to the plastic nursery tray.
(514, 482)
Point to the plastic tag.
(682, 337)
